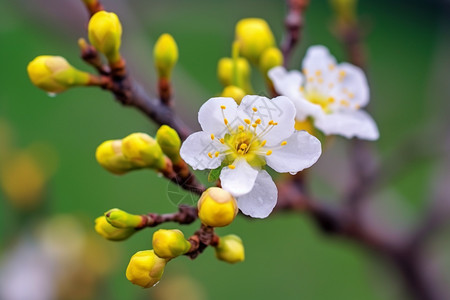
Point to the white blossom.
(242, 140)
(331, 94)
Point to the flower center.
(245, 141)
(320, 99)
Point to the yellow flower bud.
(165, 55)
(233, 92)
(54, 74)
(254, 36)
(271, 57)
(170, 243)
(230, 249)
(105, 33)
(110, 232)
(225, 73)
(143, 151)
(217, 207)
(145, 268)
(170, 142)
(109, 155)
(121, 219)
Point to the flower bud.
(143, 151)
(54, 74)
(345, 9)
(225, 73)
(105, 32)
(121, 219)
(145, 268)
(271, 57)
(165, 55)
(217, 207)
(230, 249)
(254, 36)
(110, 232)
(233, 92)
(170, 243)
(170, 142)
(109, 155)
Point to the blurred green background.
(286, 256)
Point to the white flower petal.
(301, 151)
(261, 200)
(350, 124)
(210, 115)
(352, 86)
(195, 149)
(240, 180)
(318, 59)
(280, 110)
(286, 83)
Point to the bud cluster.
(139, 150)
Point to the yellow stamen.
(222, 141)
(269, 152)
(254, 109)
(223, 107)
(216, 154)
(351, 95)
(283, 143)
(254, 125)
(212, 136)
(301, 89)
(275, 123)
(263, 143)
(209, 154)
(225, 121)
(318, 73)
(247, 121)
(310, 79)
(271, 122)
(258, 121)
(331, 67)
(243, 146)
(241, 128)
(232, 167)
(331, 100)
(345, 103)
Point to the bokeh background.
(51, 141)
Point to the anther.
(258, 121)
(232, 167)
(331, 100)
(247, 121)
(345, 103)
(283, 143)
(318, 73)
(209, 154)
(223, 107)
(254, 125)
(241, 128)
(216, 154)
(212, 136)
(269, 152)
(263, 143)
(254, 109)
(222, 141)
(243, 146)
(225, 121)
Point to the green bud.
(170, 142)
(121, 219)
(239, 77)
(165, 54)
(230, 249)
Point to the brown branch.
(293, 24)
(186, 215)
(201, 239)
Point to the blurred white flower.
(242, 140)
(331, 94)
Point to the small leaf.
(214, 174)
